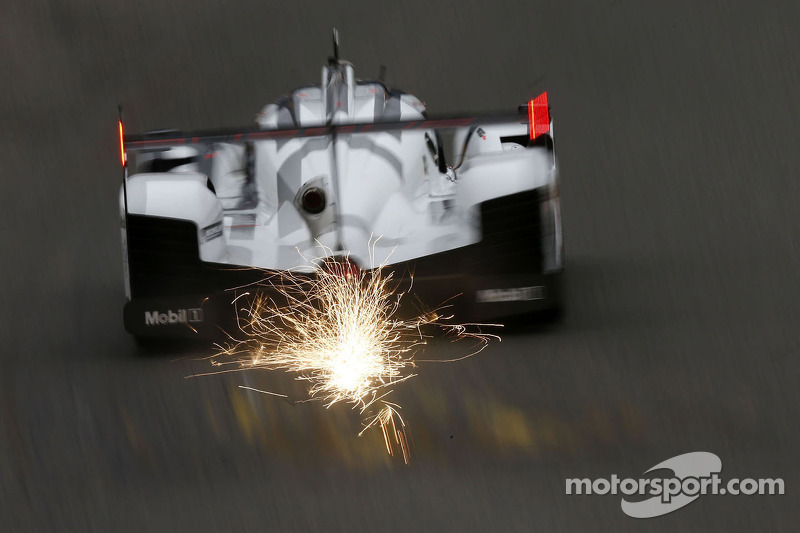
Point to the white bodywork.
(386, 199)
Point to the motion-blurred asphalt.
(677, 133)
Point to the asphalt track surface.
(676, 126)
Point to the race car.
(344, 169)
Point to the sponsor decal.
(481, 133)
(212, 232)
(181, 316)
(515, 294)
(693, 474)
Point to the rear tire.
(158, 346)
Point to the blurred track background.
(677, 133)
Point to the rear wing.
(535, 113)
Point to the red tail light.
(538, 116)
(344, 268)
(121, 145)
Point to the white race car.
(345, 168)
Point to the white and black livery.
(344, 168)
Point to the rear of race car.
(210, 221)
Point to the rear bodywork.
(345, 168)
